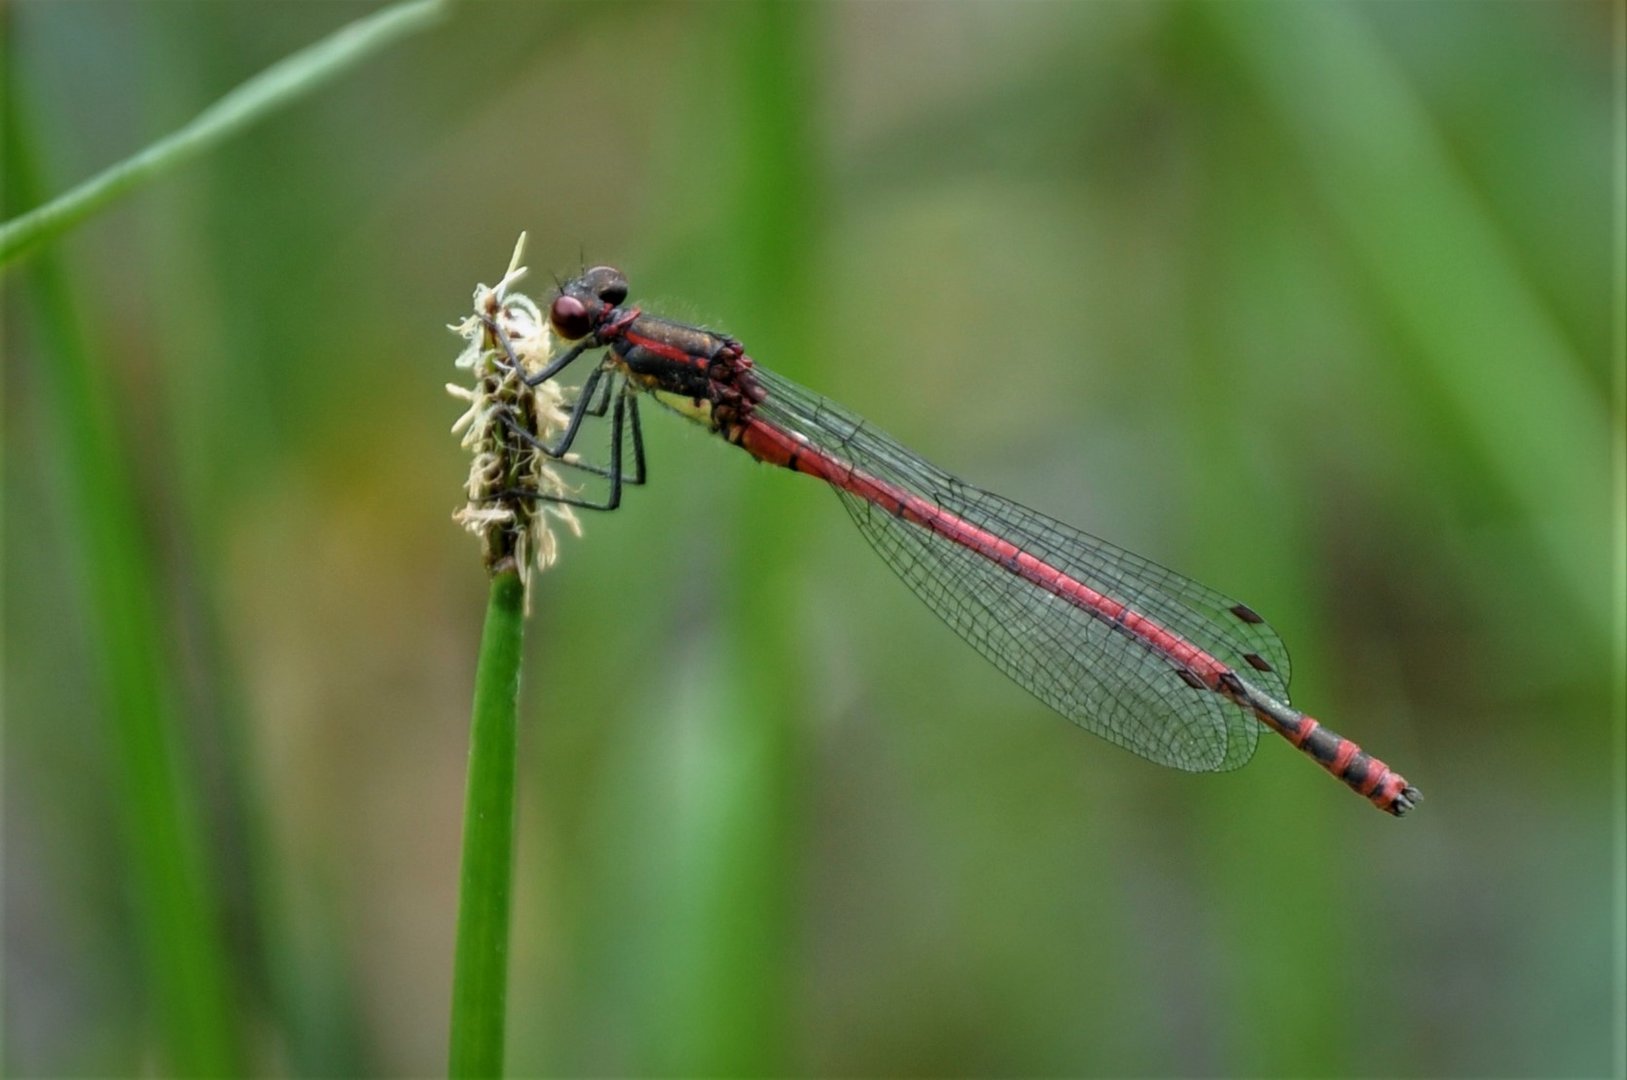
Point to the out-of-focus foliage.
(1312, 302)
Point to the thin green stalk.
(1618, 680)
(185, 978)
(480, 970)
(732, 1010)
(280, 84)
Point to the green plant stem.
(280, 84)
(480, 969)
(185, 978)
(736, 1017)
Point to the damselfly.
(1135, 653)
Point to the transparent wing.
(1108, 682)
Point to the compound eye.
(570, 317)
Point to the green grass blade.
(1618, 532)
(280, 84)
(480, 969)
(1438, 265)
(161, 830)
(736, 936)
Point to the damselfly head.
(585, 302)
(607, 283)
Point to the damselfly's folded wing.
(1107, 681)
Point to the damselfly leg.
(597, 395)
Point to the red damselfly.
(1135, 653)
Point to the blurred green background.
(1312, 302)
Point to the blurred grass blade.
(160, 828)
(480, 969)
(1438, 264)
(278, 85)
(735, 937)
(1618, 529)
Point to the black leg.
(560, 364)
(632, 419)
(638, 440)
(618, 418)
(598, 408)
(573, 426)
(580, 409)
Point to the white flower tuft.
(508, 472)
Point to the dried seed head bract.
(508, 471)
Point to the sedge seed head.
(507, 472)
